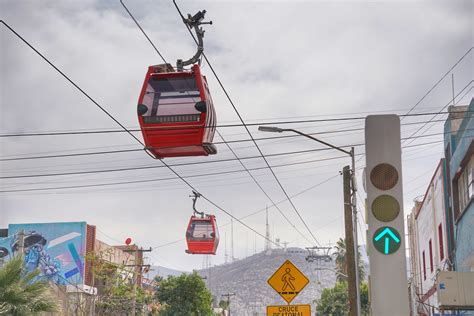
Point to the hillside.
(247, 278)
(163, 272)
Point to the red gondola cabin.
(176, 113)
(202, 235)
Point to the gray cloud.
(277, 59)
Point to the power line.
(87, 132)
(248, 131)
(171, 165)
(72, 155)
(203, 162)
(436, 114)
(226, 143)
(122, 126)
(162, 179)
(136, 22)
(72, 82)
(264, 208)
(262, 189)
(439, 81)
(9, 158)
(416, 145)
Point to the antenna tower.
(267, 232)
(232, 240)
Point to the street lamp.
(350, 216)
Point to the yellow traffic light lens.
(384, 176)
(385, 208)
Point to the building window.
(441, 246)
(431, 256)
(424, 266)
(466, 185)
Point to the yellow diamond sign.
(288, 281)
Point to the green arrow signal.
(390, 242)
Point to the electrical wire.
(15, 158)
(227, 144)
(359, 168)
(129, 130)
(266, 207)
(202, 162)
(158, 180)
(262, 189)
(439, 81)
(141, 29)
(436, 114)
(131, 134)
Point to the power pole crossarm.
(228, 295)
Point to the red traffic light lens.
(384, 176)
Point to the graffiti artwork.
(56, 249)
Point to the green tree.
(224, 304)
(115, 284)
(340, 260)
(341, 264)
(184, 295)
(335, 301)
(21, 293)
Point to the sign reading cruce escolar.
(288, 281)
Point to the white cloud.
(277, 59)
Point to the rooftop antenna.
(452, 87)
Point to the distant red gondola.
(202, 235)
(176, 113)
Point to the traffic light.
(386, 243)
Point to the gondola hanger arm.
(195, 196)
(194, 22)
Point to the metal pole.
(350, 255)
(350, 219)
(354, 224)
(228, 295)
(21, 242)
(134, 297)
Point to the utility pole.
(21, 242)
(228, 295)
(350, 251)
(138, 264)
(350, 217)
(355, 240)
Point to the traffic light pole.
(350, 219)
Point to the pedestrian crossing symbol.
(288, 281)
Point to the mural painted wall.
(56, 249)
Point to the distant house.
(440, 227)
(59, 251)
(427, 237)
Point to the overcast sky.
(278, 60)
